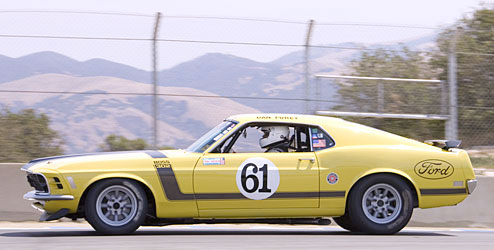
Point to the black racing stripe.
(170, 185)
(219, 196)
(61, 157)
(152, 153)
(327, 194)
(155, 154)
(32, 162)
(442, 191)
(173, 192)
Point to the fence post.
(380, 97)
(452, 124)
(155, 81)
(306, 68)
(444, 98)
(318, 93)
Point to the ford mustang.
(260, 168)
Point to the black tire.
(374, 220)
(345, 223)
(131, 209)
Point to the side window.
(320, 140)
(274, 138)
(248, 141)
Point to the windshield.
(211, 137)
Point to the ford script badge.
(434, 169)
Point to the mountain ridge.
(85, 120)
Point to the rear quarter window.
(320, 139)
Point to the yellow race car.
(259, 168)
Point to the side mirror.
(244, 133)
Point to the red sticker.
(332, 178)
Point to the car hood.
(143, 154)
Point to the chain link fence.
(210, 67)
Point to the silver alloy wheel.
(381, 203)
(116, 205)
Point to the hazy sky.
(428, 13)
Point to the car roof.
(344, 132)
(276, 117)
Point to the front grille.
(58, 182)
(38, 182)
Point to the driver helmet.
(273, 134)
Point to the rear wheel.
(380, 204)
(116, 206)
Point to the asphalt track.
(242, 237)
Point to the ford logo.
(434, 169)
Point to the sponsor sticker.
(332, 178)
(217, 137)
(213, 161)
(318, 136)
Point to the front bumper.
(471, 185)
(33, 195)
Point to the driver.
(275, 139)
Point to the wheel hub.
(381, 203)
(116, 205)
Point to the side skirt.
(288, 221)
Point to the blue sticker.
(213, 161)
(332, 178)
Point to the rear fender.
(388, 171)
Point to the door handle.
(312, 160)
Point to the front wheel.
(380, 204)
(116, 206)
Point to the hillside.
(85, 120)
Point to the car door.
(254, 180)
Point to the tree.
(27, 135)
(120, 143)
(399, 97)
(474, 37)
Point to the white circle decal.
(258, 178)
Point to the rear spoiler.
(444, 144)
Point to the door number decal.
(257, 178)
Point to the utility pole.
(306, 68)
(155, 81)
(452, 126)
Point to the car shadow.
(151, 232)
